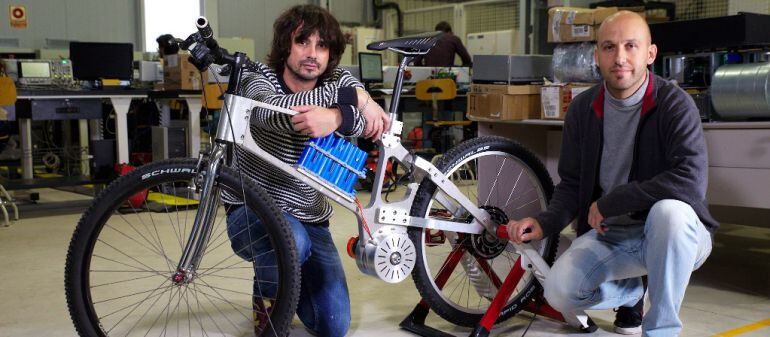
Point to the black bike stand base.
(480, 331)
(415, 323)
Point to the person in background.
(443, 53)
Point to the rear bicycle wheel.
(459, 274)
(126, 247)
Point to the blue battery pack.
(334, 160)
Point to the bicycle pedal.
(435, 239)
(440, 213)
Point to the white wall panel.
(82, 20)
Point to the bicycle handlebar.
(204, 28)
(204, 50)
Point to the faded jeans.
(604, 271)
(324, 303)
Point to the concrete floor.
(730, 291)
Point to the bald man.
(633, 171)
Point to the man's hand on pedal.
(526, 229)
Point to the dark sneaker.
(628, 320)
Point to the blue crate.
(334, 160)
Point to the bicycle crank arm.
(531, 259)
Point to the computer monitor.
(370, 67)
(98, 60)
(19, 56)
(34, 69)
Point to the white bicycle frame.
(233, 128)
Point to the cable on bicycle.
(398, 181)
(363, 218)
(206, 104)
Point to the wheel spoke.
(489, 272)
(494, 183)
(514, 188)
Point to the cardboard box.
(180, 74)
(556, 98)
(581, 16)
(504, 102)
(571, 33)
(570, 16)
(602, 13)
(574, 24)
(505, 89)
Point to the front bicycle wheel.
(127, 245)
(459, 274)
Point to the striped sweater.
(274, 132)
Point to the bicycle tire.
(219, 288)
(479, 279)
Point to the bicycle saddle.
(420, 44)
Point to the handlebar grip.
(204, 28)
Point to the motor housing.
(390, 254)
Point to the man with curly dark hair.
(301, 74)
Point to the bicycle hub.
(389, 255)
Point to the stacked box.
(504, 102)
(180, 74)
(573, 61)
(556, 98)
(573, 24)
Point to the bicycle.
(129, 272)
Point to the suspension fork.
(204, 218)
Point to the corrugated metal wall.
(483, 17)
(415, 23)
(699, 9)
(491, 17)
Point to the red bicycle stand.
(415, 321)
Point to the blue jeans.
(324, 303)
(603, 272)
